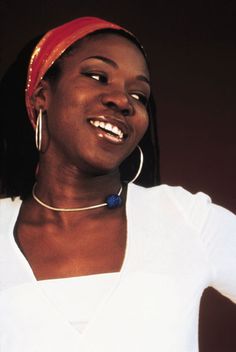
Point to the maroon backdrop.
(192, 52)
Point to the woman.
(89, 262)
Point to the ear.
(41, 96)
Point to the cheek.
(68, 109)
(142, 124)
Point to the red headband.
(53, 44)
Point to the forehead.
(116, 47)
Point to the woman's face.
(97, 110)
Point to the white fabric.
(78, 297)
(177, 245)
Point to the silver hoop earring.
(140, 165)
(38, 130)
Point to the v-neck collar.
(40, 292)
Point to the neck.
(71, 189)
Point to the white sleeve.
(216, 228)
(219, 237)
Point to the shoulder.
(174, 194)
(9, 204)
(176, 202)
(9, 208)
(171, 202)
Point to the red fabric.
(52, 45)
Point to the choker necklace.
(112, 201)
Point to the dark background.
(192, 51)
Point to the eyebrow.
(144, 79)
(114, 64)
(104, 59)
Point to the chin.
(106, 169)
(99, 161)
(98, 167)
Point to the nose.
(119, 102)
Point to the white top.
(177, 245)
(78, 298)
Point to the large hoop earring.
(38, 130)
(140, 164)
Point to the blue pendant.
(113, 201)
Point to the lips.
(110, 128)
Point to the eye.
(140, 97)
(97, 76)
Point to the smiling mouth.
(110, 129)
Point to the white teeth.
(96, 123)
(115, 129)
(108, 127)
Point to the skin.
(79, 166)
